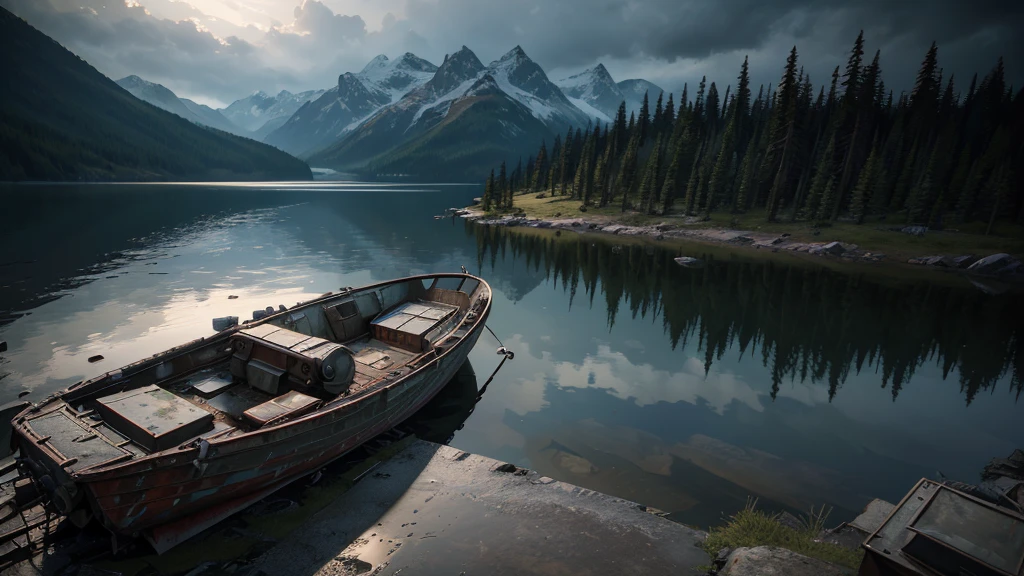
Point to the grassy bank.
(872, 236)
(751, 527)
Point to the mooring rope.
(506, 355)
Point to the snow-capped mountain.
(525, 81)
(594, 88)
(323, 120)
(163, 98)
(253, 112)
(634, 90)
(513, 85)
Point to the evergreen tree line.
(846, 150)
(801, 321)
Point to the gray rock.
(914, 230)
(963, 262)
(996, 264)
(834, 248)
(688, 262)
(790, 521)
(743, 240)
(771, 561)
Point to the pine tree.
(668, 118)
(747, 175)
(487, 202)
(784, 133)
(865, 186)
(564, 165)
(712, 106)
(540, 168)
(502, 188)
(621, 128)
(644, 121)
(822, 175)
(649, 182)
(627, 173)
(827, 199)
(657, 120)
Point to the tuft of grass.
(752, 527)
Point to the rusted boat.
(167, 446)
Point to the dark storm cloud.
(666, 41)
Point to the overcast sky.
(216, 51)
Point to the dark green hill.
(60, 119)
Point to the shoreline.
(995, 266)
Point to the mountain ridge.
(62, 120)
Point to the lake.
(688, 390)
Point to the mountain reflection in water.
(686, 390)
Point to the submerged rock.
(688, 262)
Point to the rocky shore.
(998, 266)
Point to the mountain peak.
(516, 53)
(456, 69)
(379, 61)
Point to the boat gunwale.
(156, 460)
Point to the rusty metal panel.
(73, 439)
(287, 338)
(153, 417)
(419, 326)
(265, 377)
(261, 331)
(393, 321)
(212, 385)
(292, 403)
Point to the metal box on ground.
(153, 417)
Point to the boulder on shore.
(996, 265)
(764, 560)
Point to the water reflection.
(687, 390)
(804, 322)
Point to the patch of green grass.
(873, 235)
(751, 527)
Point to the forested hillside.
(948, 152)
(60, 119)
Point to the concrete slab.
(433, 509)
(873, 515)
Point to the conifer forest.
(946, 153)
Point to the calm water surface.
(686, 390)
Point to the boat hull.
(132, 496)
(134, 502)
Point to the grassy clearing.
(751, 527)
(872, 236)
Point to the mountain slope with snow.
(163, 98)
(322, 121)
(512, 96)
(594, 88)
(254, 111)
(633, 90)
